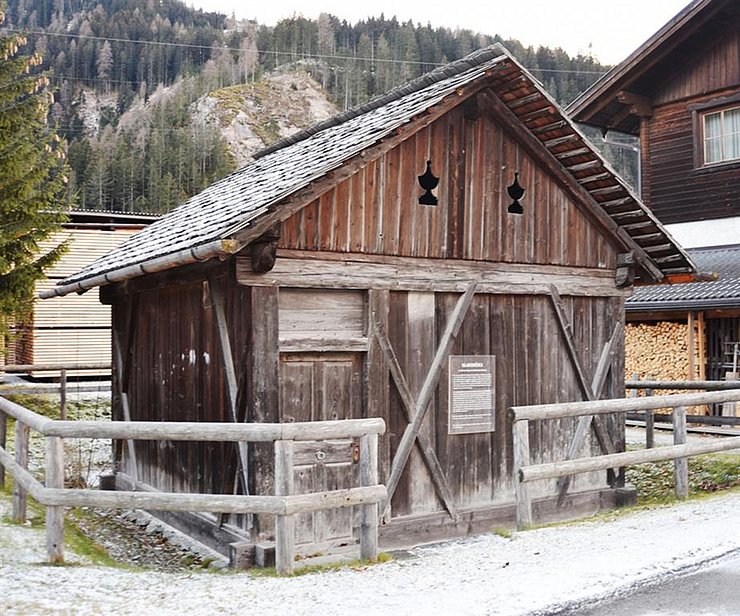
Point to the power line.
(268, 52)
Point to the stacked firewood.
(658, 350)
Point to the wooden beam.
(639, 105)
(553, 470)
(306, 269)
(54, 515)
(424, 439)
(680, 465)
(284, 524)
(369, 477)
(427, 389)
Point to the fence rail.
(284, 504)
(526, 472)
(61, 388)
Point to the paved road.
(713, 590)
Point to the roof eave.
(585, 107)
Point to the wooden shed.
(450, 249)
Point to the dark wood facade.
(662, 92)
(364, 263)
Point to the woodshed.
(447, 250)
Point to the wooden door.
(317, 387)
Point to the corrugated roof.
(233, 204)
(724, 292)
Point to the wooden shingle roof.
(225, 216)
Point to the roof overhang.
(617, 100)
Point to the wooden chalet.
(451, 248)
(680, 93)
(74, 329)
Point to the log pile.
(658, 351)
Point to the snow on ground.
(531, 573)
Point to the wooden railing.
(525, 472)
(284, 504)
(649, 386)
(61, 388)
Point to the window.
(721, 131)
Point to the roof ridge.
(440, 73)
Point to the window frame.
(699, 113)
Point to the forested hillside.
(158, 57)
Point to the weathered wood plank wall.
(376, 211)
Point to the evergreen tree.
(32, 180)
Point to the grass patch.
(707, 474)
(78, 542)
(502, 532)
(355, 565)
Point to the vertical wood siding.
(715, 68)
(376, 211)
(175, 373)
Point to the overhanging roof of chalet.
(614, 101)
(724, 292)
(238, 209)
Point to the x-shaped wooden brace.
(417, 409)
(591, 391)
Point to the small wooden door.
(317, 387)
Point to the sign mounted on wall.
(472, 392)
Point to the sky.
(610, 30)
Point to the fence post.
(369, 477)
(520, 430)
(649, 421)
(284, 524)
(3, 440)
(20, 498)
(680, 465)
(63, 394)
(54, 515)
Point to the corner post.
(680, 465)
(20, 497)
(520, 430)
(284, 524)
(369, 477)
(54, 514)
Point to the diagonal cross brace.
(217, 300)
(584, 422)
(427, 390)
(409, 405)
(566, 330)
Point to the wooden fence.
(284, 504)
(525, 472)
(61, 388)
(649, 386)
